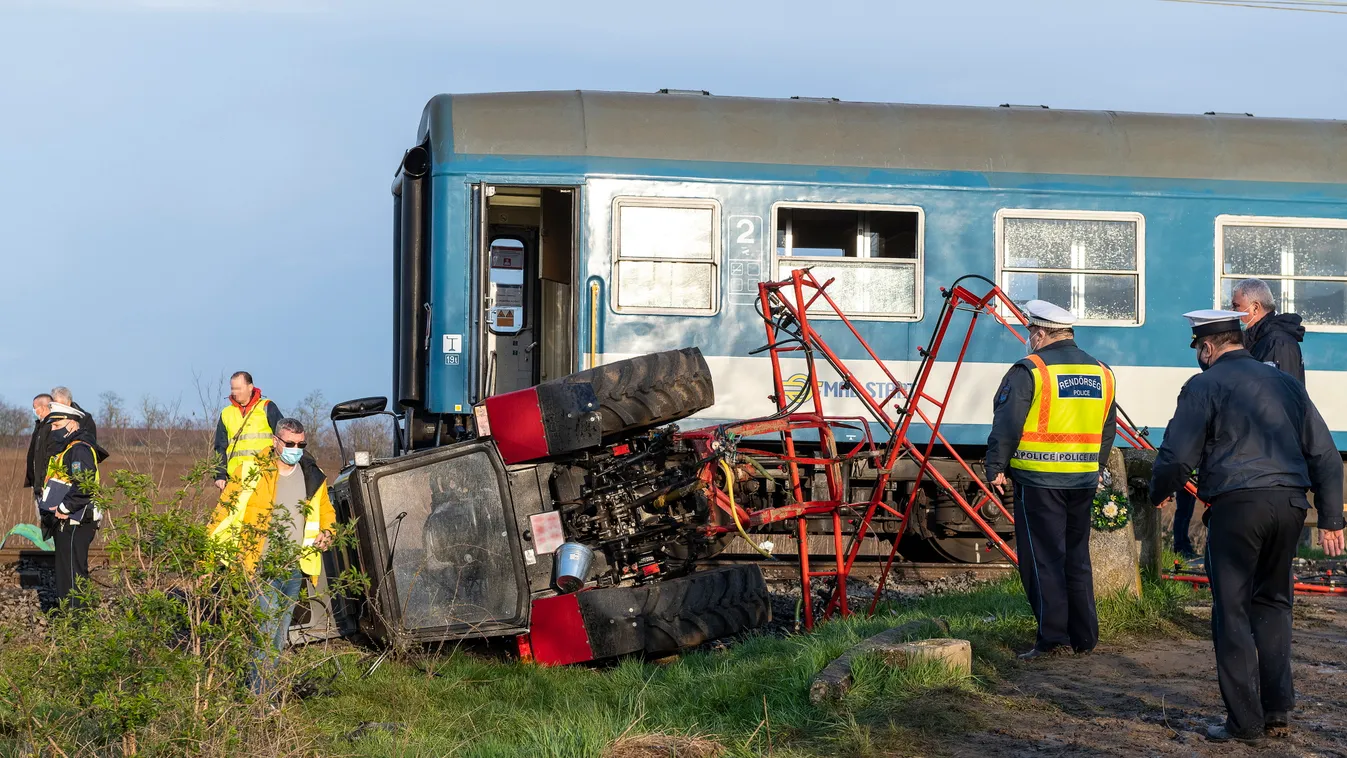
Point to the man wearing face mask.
(283, 483)
(1271, 337)
(66, 505)
(1257, 443)
(35, 470)
(1052, 430)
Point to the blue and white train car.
(544, 232)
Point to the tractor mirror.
(359, 408)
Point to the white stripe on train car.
(1148, 393)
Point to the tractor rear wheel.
(649, 390)
(703, 606)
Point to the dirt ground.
(1157, 698)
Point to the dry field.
(165, 455)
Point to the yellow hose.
(734, 510)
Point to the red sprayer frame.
(787, 307)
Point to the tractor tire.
(685, 612)
(649, 390)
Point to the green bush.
(157, 661)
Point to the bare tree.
(113, 411)
(210, 395)
(15, 421)
(313, 412)
(373, 435)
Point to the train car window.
(1303, 261)
(666, 255)
(1090, 263)
(873, 254)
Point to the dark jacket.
(1275, 340)
(38, 455)
(83, 456)
(222, 440)
(1011, 407)
(87, 423)
(1244, 425)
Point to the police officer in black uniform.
(1257, 443)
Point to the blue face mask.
(290, 455)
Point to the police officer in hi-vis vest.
(245, 428)
(1051, 434)
(66, 506)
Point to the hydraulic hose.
(734, 509)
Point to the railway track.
(902, 571)
(11, 555)
(905, 571)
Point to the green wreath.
(1111, 510)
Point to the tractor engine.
(639, 505)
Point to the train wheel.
(964, 548)
(968, 549)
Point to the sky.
(191, 187)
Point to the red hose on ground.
(1300, 587)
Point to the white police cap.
(1045, 314)
(1207, 322)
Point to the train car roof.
(696, 127)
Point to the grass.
(751, 698)
(1311, 553)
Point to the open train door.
(525, 324)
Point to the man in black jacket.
(39, 452)
(1257, 443)
(36, 469)
(1271, 337)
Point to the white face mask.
(1029, 344)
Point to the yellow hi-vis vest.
(248, 434)
(1065, 425)
(56, 470)
(257, 493)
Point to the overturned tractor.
(574, 522)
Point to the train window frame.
(1298, 222)
(616, 257)
(918, 263)
(1135, 217)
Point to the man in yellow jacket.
(281, 482)
(245, 427)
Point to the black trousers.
(1251, 542)
(72, 556)
(1183, 519)
(1052, 539)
